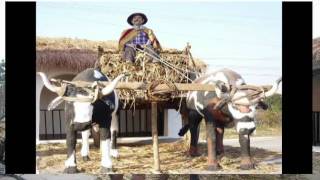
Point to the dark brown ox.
(233, 103)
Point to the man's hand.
(138, 46)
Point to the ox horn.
(109, 88)
(274, 88)
(48, 84)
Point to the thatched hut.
(316, 90)
(63, 58)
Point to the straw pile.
(144, 70)
(138, 159)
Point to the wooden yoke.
(160, 87)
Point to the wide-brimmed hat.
(134, 14)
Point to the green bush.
(272, 117)
(268, 121)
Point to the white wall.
(39, 86)
(172, 119)
(43, 98)
(172, 124)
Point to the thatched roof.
(74, 60)
(73, 55)
(316, 54)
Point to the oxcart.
(155, 91)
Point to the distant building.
(63, 59)
(316, 91)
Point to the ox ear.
(108, 89)
(262, 105)
(222, 86)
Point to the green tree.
(2, 71)
(272, 117)
(2, 88)
(275, 103)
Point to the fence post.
(154, 116)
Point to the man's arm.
(153, 39)
(126, 36)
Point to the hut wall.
(316, 108)
(173, 123)
(316, 93)
(51, 123)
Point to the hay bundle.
(176, 69)
(75, 55)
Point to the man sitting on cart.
(138, 38)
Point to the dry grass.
(231, 133)
(138, 159)
(145, 71)
(2, 129)
(75, 55)
(70, 43)
(316, 163)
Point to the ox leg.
(70, 163)
(246, 161)
(106, 162)
(194, 121)
(85, 145)
(114, 134)
(219, 142)
(211, 142)
(95, 133)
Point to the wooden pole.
(154, 124)
(143, 86)
(160, 87)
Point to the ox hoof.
(214, 167)
(220, 155)
(247, 166)
(70, 170)
(86, 158)
(247, 163)
(114, 153)
(193, 152)
(104, 170)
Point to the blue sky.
(243, 36)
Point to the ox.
(231, 104)
(80, 115)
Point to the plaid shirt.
(140, 39)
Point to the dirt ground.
(138, 159)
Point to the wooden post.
(154, 124)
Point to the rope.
(161, 60)
(164, 61)
(258, 92)
(93, 91)
(162, 95)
